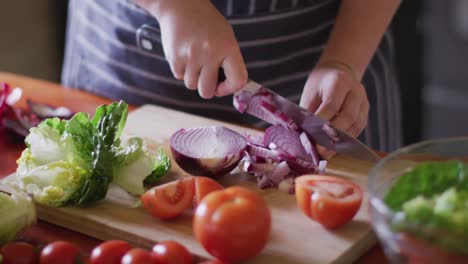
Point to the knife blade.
(323, 132)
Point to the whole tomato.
(18, 253)
(60, 252)
(232, 224)
(109, 252)
(171, 252)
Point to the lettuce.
(72, 162)
(17, 212)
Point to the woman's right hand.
(197, 42)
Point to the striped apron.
(113, 49)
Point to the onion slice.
(287, 140)
(210, 151)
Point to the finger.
(360, 124)
(349, 111)
(192, 71)
(208, 80)
(324, 153)
(333, 97)
(310, 99)
(236, 75)
(178, 69)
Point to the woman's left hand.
(335, 95)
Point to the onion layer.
(210, 151)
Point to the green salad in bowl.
(419, 202)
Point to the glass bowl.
(404, 247)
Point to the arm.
(358, 30)
(333, 90)
(197, 41)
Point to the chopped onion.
(259, 152)
(287, 140)
(308, 145)
(287, 185)
(46, 111)
(210, 151)
(322, 165)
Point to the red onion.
(210, 151)
(263, 153)
(309, 147)
(287, 140)
(45, 111)
(21, 120)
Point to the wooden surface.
(282, 203)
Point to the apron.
(113, 49)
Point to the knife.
(323, 132)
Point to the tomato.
(171, 199)
(232, 224)
(138, 256)
(420, 251)
(60, 252)
(204, 186)
(109, 252)
(171, 252)
(18, 253)
(329, 200)
(213, 261)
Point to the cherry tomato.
(138, 256)
(60, 252)
(169, 200)
(232, 224)
(18, 253)
(204, 186)
(213, 261)
(329, 200)
(109, 252)
(171, 252)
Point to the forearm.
(359, 27)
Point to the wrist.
(157, 8)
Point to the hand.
(335, 95)
(197, 40)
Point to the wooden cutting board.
(294, 238)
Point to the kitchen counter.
(10, 149)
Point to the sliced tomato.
(204, 186)
(329, 200)
(171, 199)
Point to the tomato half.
(204, 186)
(109, 252)
(232, 224)
(60, 252)
(329, 200)
(138, 256)
(171, 199)
(18, 253)
(171, 252)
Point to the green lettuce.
(431, 202)
(137, 165)
(72, 162)
(17, 212)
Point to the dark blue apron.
(114, 50)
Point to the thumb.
(310, 99)
(236, 75)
